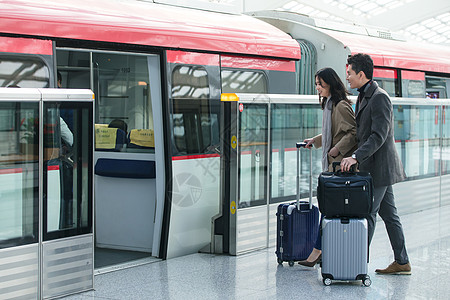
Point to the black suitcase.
(345, 194)
(297, 225)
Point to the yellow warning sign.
(233, 207)
(233, 142)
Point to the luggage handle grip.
(302, 210)
(303, 145)
(338, 163)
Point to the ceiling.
(422, 20)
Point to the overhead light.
(290, 5)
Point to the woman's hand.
(309, 143)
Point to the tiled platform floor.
(257, 275)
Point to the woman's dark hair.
(337, 87)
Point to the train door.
(251, 208)
(67, 247)
(194, 92)
(129, 154)
(46, 240)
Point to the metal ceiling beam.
(409, 14)
(394, 19)
(255, 5)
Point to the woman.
(338, 138)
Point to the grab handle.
(338, 163)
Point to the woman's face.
(322, 88)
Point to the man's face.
(355, 80)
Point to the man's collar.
(365, 86)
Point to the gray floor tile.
(257, 275)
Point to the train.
(163, 131)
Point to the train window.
(124, 101)
(413, 84)
(290, 124)
(124, 119)
(190, 82)
(238, 81)
(417, 132)
(437, 87)
(19, 173)
(389, 87)
(195, 119)
(67, 166)
(253, 160)
(387, 80)
(445, 156)
(25, 72)
(74, 69)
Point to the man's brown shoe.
(395, 269)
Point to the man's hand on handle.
(346, 163)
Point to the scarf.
(326, 133)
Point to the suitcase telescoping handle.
(303, 145)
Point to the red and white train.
(159, 71)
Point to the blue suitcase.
(297, 224)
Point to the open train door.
(128, 150)
(195, 116)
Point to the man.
(376, 154)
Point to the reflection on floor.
(257, 275)
(104, 257)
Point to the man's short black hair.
(361, 62)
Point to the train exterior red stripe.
(230, 61)
(147, 24)
(397, 54)
(257, 63)
(185, 157)
(384, 73)
(192, 58)
(52, 168)
(10, 171)
(28, 46)
(413, 75)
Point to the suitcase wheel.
(280, 261)
(366, 281)
(291, 263)
(327, 281)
